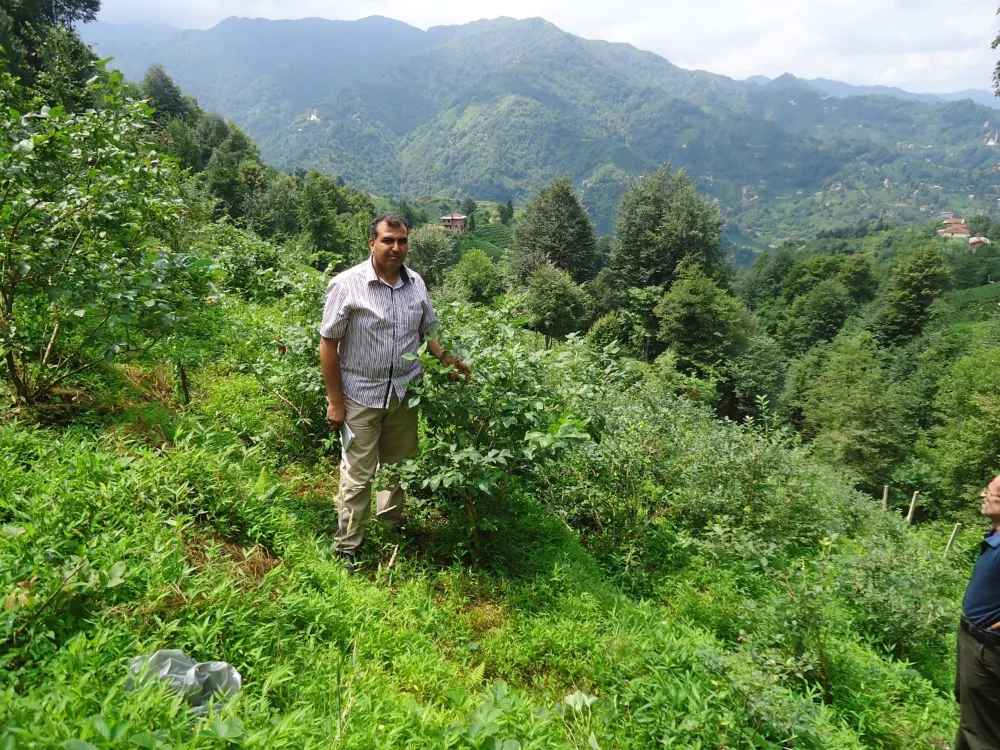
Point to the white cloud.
(920, 45)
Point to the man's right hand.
(335, 415)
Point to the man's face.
(390, 246)
(991, 500)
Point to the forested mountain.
(262, 73)
(496, 109)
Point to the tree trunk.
(20, 386)
(185, 389)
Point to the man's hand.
(995, 626)
(450, 361)
(335, 415)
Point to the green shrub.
(87, 272)
(506, 422)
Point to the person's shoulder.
(349, 276)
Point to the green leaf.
(228, 729)
(116, 576)
(80, 313)
(149, 740)
(100, 726)
(78, 745)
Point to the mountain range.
(494, 109)
(841, 89)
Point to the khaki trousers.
(381, 437)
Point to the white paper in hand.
(346, 436)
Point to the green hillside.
(498, 108)
(644, 537)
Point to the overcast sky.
(919, 45)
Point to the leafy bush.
(287, 360)
(475, 278)
(606, 330)
(251, 265)
(505, 422)
(87, 275)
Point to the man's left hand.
(995, 626)
(463, 369)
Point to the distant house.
(953, 220)
(977, 242)
(454, 222)
(955, 230)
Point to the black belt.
(986, 637)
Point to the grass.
(226, 552)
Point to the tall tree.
(915, 283)
(968, 439)
(808, 272)
(275, 210)
(853, 271)
(162, 93)
(556, 305)
(224, 177)
(763, 281)
(506, 211)
(414, 216)
(701, 321)
(42, 48)
(662, 222)
(980, 226)
(555, 228)
(815, 316)
(432, 252)
(320, 221)
(855, 412)
(468, 207)
(996, 70)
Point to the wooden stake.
(913, 507)
(958, 528)
(885, 498)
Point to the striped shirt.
(377, 324)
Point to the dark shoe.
(349, 559)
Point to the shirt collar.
(993, 539)
(371, 275)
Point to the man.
(977, 682)
(375, 313)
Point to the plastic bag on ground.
(197, 681)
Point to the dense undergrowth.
(662, 579)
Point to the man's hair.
(395, 221)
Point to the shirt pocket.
(413, 315)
